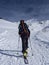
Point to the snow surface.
(10, 43)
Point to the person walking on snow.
(24, 33)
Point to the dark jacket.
(22, 33)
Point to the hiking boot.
(25, 55)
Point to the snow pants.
(24, 44)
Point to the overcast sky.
(22, 9)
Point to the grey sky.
(23, 9)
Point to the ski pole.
(30, 46)
(18, 42)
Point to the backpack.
(24, 29)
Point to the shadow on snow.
(12, 55)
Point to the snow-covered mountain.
(10, 43)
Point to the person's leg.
(23, 45)
(26, 43)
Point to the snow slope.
(10, 43)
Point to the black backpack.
(25, 29)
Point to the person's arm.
(20, 30)
(26, 26)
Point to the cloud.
(22, 9)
